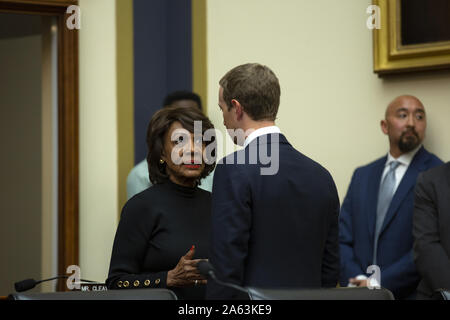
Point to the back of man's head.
(182, 98)
(256, 88)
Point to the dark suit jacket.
(357, 226)
(432, 229)
(272, 231)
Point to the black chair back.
(320, 294)
(132, 294)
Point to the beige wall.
(98, 137)
(331, 102)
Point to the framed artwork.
(413, 35)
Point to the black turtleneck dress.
(156, 228)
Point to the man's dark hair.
(158, 127)
(257, 89)
(182, 95)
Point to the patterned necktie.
(385, 195)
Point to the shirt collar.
(260, 132)
(404, 159)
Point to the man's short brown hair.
(256, 88)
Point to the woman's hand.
(359, 282)
(185, 274)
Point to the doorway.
(39, 140)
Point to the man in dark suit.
(274, 210)
(431, 230)
(375, 223)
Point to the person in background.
(375, 223)
(138, 179)
(164, 230)
(431, 230)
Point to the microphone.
(28, 284)
(25, 285)
(206, 269)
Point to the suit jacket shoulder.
(423, 157)
(437, 174)
(431, 228)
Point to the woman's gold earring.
(161, 161)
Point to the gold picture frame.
(392, 56)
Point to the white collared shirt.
(405, 160)
(260, 132)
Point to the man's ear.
(384, 126)
(239, 111)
